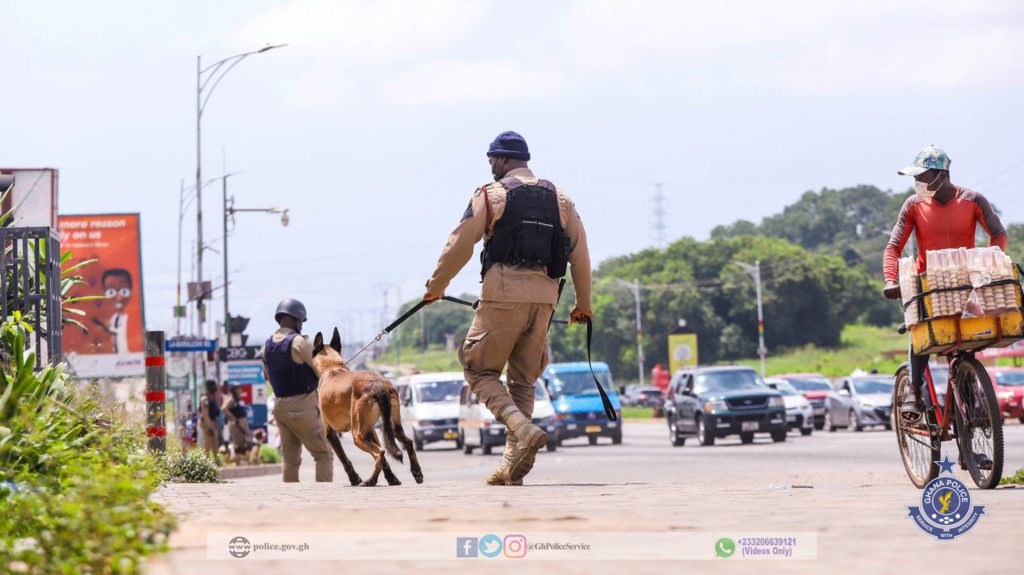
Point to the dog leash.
(391, 327)
(606, 402)
(609, 410)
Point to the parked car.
(815, 387)
(578, 404)
(644, 396)
(479, 429)
(799, 413)
(860, 401)
(712, 402)
(1009, 387)
(430, 405)
(940, 378)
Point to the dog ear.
(318, 344)
(336, 341)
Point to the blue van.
(578, 404)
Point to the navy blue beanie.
(509, 145)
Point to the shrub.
(193, 466)
(74, 481)
(269, 454)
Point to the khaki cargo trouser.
(298, 419)
(208, 429)
(506, 333)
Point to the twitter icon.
(490, 545)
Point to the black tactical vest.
(529, 232)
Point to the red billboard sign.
(113, 344)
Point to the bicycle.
(976, 423)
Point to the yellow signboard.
(682, 350)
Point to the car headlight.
(865, 402)
(1004, 395)
(715, 406)
(776, 401)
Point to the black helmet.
(292, 308)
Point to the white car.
(799, 413)
(430, 406)
(478, 428)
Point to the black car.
(712, 402)
(644, 396)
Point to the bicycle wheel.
(979, 424)
(919, 445)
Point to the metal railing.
(30, 283)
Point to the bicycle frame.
(943, 417)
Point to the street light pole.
(639, 332)
(229, 213)
(755, 272)
(216, 73)
(227, 314)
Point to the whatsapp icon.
(725, 547)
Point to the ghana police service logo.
(946, 511)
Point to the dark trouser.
(918, 363)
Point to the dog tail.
(383, 398)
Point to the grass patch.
(863, 347)
(630, 412)
(431, 360)
(1015, 479)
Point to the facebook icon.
(465, 547)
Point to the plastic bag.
(975, 306)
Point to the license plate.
(451, 435)
(749, 426)
(593, 429)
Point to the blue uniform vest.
(287, 378)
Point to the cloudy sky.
(371, 125)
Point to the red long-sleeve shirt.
(941, 226)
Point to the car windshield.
(1010, 378)
(649, 392)
(539, 393)
(809, 383)
(785, 389)
(728, 381)
(580, 382)
(434, 391)
(872, 386)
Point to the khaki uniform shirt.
(302, 349)
(509, 283)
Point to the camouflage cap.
(929, 158)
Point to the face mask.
(925, 189)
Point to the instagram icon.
(515, 546)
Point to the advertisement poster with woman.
(113, 344)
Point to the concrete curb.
(249, 471)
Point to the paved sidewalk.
(861, 529)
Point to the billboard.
(35, 196)
(113, 345)
(682, 351)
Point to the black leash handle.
(609, 410)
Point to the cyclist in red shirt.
(943, 215)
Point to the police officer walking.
(531, 233)
(288, 365)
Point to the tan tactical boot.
(501, 474)
(529, 440)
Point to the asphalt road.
(837, 459)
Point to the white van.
(430, 405)
(478, 428)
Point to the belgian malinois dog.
(352, 401)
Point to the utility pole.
(181, 209)
(227, 312)
(639, 332)
(659, 213)
(755, 272)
